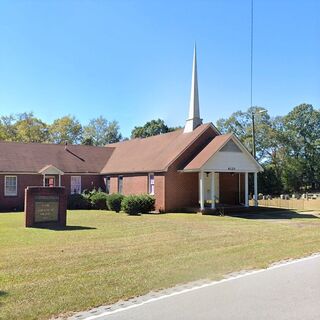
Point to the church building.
(193, 167)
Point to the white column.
(44, 180)
(246, 190)
(255, 189)
(239, 186)
(201, 190)
(59, 180)
(213, 191)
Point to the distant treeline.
(25, 127)
(287, 146)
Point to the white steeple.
(194, 114)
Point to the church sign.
(45, 206)
(46, 209)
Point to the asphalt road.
(290, 291)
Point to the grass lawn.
(106, 256)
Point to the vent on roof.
(230, 146)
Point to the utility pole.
(253, 136)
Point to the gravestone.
(45, 206)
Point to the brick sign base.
(45, 206)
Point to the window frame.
(5, 186)
(120, 178)
(72, 191)
(150, 191)
(108, 184)
(50, 177)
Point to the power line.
(251, 62)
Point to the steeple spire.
(193, 120)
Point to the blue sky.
(131, 60)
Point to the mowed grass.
(106, 256)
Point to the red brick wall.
(229, 188)
(16, 203)
(182, 189)
(137, 184)
(88, 182)
(159, 190)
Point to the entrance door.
(49, 181)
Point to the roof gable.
(153, 154)
(224, 153)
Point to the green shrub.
(147, 203)
(99, 200)
(78, 201)
(136, 204)
(114, 201)
(131, 205)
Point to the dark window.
(120, 184)
(107, 182)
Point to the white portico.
(49, 173)
(224, 157)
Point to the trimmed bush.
(99, 200)
(136, 204)
(114, 201)
(131, 205)
(147, 203)
(78, 201)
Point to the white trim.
(65, 173)
(201, 190)
(246, 151)
(149, 183)
(72, 189)
(213, 191)
(5, 189)
(242, 148)
(217, 170)
(51, 169)
(246, 190)
(255, 189)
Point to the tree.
(269, 150)
(301, 138)
(266, 130)
(151, 128)
(100, 132)
(66, 129)
(7, 128)
(30, 129)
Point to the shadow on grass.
(2, 295)
(61, 228)
(274, 215)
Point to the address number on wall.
(231, 168)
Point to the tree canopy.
(100, 132)
(288, 147)
(151, 128)
(66, 129)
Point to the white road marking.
(210, 284)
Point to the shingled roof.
(32, 157)
(153, 154)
